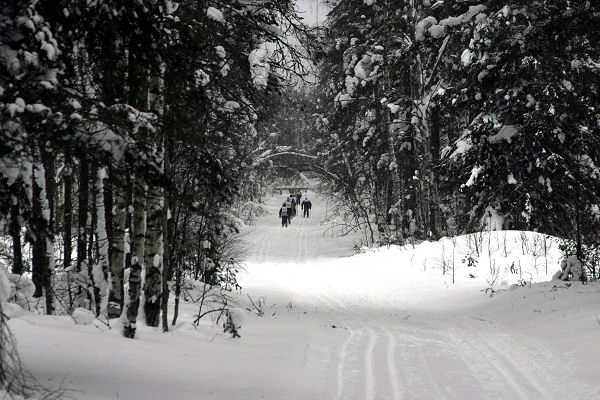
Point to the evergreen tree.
(531, 149)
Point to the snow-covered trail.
(407, 345)
(382, 325)
(305, 239)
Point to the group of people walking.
(290, 205)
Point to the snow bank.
(83, 316)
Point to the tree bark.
(100, 271)
(179, 272)
(39, 229)
(92, 253)
(49, 203)
(82, 227)
(153, 257)
(43, 246)
(154, 233)
(117, 256)
(164, 305)
(166, 243)
(396, 209)
(137, 259)
(68, 220)
(15, 233)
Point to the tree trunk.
(92, 253)
(68, 219)
(178, 271)
(153, 257)
(82, 228)
(396, 209)
(15, 233)
(154, 233)
(178, 276)
(165, 271)
(49, 201)
(39, 229)
(128, 220)
(435, 211)
(108, 216)
(100, 271)
(165, 214)
(117, 257)
(43, 247)
(137, 259)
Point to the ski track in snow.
(370, 375)
(391, 365)
(429, 357)
(496, 352)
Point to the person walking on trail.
(298, 197)
(306, 206)
(294, 204)
(288, 205)
(283, 214)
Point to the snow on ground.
(384, 324)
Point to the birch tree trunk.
(154, 232)
(164, 303)
(137, 259)
(117, 256)
(100, 271)
(48, 202)
(43, 246)
(153, 257)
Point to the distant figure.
(283, 214)
(569, 266)
(288, 205)
(306, 206)
(293, 200)
(298, 197)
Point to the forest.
(138, 137)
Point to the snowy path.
(382, 325)
(387, 349)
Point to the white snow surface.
(384, 324)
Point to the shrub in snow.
(232, 323)
(570, 269)
(15, 381)
(22, 290)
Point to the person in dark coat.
(306, 206)
(294, 204)
(288, 204)
(283, 214)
